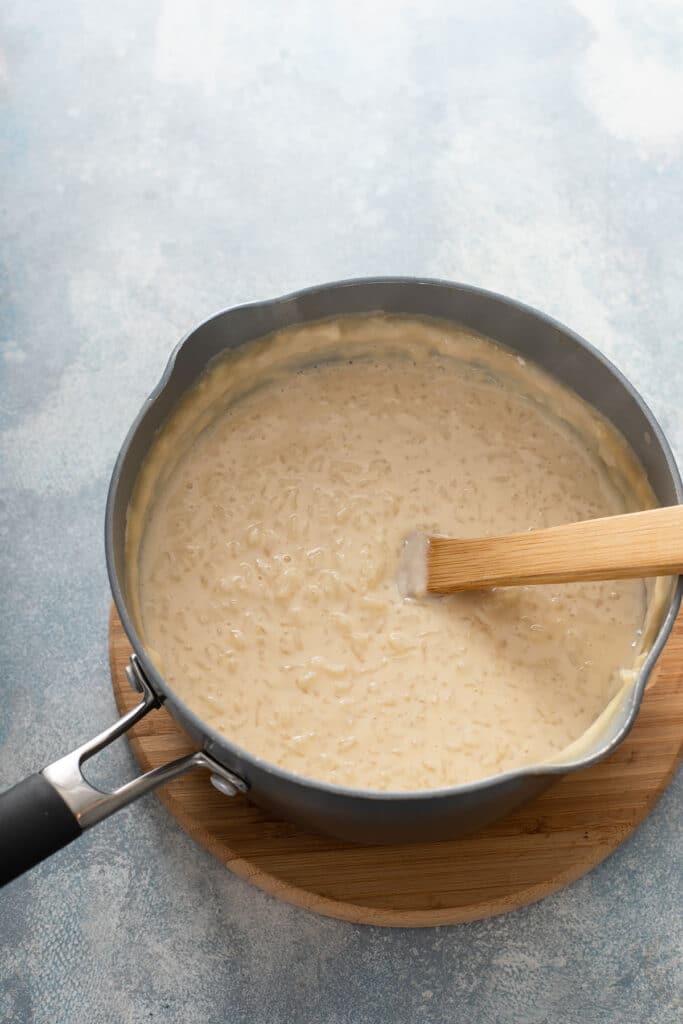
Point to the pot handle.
(47, 811)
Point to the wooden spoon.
(646, 543)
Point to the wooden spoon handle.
(646, 543)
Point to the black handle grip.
(34, 822)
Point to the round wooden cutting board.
(534, 851)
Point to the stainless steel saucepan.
(50, 809)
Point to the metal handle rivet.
(133, 679)
(223, 786)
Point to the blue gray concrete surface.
(161, 160)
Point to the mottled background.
(162, 159)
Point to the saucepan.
(51, 808)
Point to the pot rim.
(220, 742)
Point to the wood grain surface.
(533, 852)
(637, 544)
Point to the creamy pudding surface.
(265, 533)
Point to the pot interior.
(536, 338)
